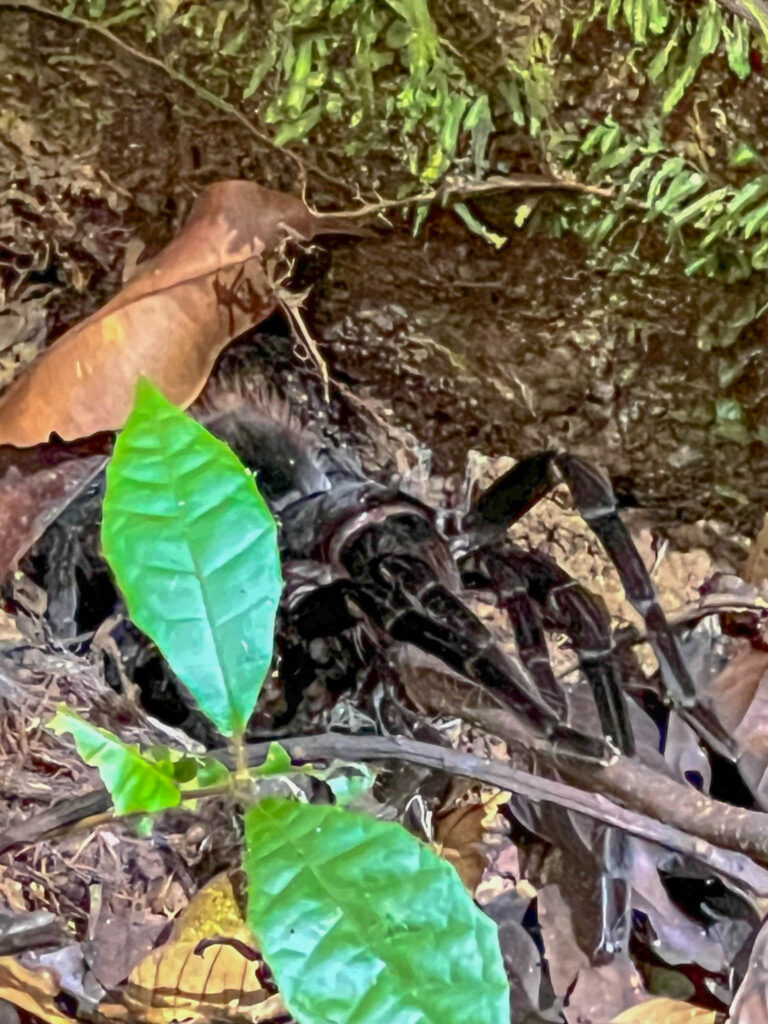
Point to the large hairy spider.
(358, 550)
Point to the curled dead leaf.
(169, 322)
(196, 978)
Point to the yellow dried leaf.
(182, 980)
(33, 990)
(665, 1011)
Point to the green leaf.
(683, 185)
(293, 130)
(737, 47)
(756, 219)
(134, 783)
(747, 195)
(636, 14)
(670, 168)
(189, 771)
(703, 205)
(676, 91)
(658, 16)
(193, 547)
(742, 154)
(757, 10)
(610, 161)
(479, 123)
(709, 29)
(363, 924)
(477, 227)
(277, 762)
(659, 63)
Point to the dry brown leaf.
(33, 990)
(35, 487)
(180, 980)
(665, 1011)
(459, 831)
(168, 323)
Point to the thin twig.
(454, 187)
(746, 833)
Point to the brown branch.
(690, 822)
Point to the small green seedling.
(359, 921)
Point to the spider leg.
(422, 611)
(518, 490)
(526, 583)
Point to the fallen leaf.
(602, 991)
(31, 989)
(202, 973)
(460, 829)
(665, 1011)
(36, 486)
(169, 322)
(750, 1004)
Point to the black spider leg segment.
(416, 608)
(514, 493)
(494, 570)
(615, 895)
(567, 606)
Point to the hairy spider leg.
(533, 589)
(414, 606)
(518, 490)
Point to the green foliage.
(135, 783)
(720, 229)
(193, 547)
(363, 924)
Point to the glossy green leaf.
(134, 783)
(193, 547)
(363, 924)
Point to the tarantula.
(358, 550)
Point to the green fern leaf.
(636, 15)
(703, 206)
(737, 47)
(682, 186)
(670, 168)
(747, 195)
(756, 219)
